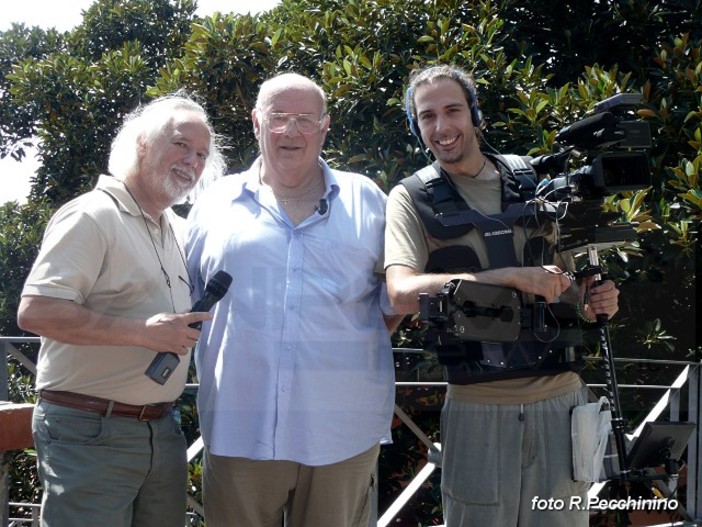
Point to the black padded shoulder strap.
(519, 179)
(435, 195)
(438, 187)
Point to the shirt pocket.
(341, 267)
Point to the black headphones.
(475, 114)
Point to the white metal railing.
(670, 400)
(31, 518)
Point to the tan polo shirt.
(98, 252)
(408, 243)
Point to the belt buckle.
(141, 414)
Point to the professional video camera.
(615, 144)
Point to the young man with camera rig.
(505, 426)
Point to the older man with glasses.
(296, 369)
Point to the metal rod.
(618, 424)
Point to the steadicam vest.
(447, 216)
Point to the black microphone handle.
(165, 362)
(202, 305)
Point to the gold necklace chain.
(301, 197)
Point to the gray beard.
(176, 193)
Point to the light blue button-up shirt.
(297, 362)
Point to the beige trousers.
(239, 492)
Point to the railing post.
(694, 447)
(4, 490)
(4, 493)
(674, 405)
(4, 378)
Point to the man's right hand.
(72, 323)
(172, 332)
(405, 284)
(548, 281)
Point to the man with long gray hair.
(108, 290)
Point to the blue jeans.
(109, 471)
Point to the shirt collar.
(332, 184)
(252, 182)
(118, 191)
(123, 199)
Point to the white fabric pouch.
(591, 426)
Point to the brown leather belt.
(147, 412)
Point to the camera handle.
(618, 424)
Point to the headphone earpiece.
(408, 111)
(476, 114)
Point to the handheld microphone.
(165, 363)
(216, 288)
(323, 207)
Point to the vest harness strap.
(446, 215)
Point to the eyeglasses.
(306, 123)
